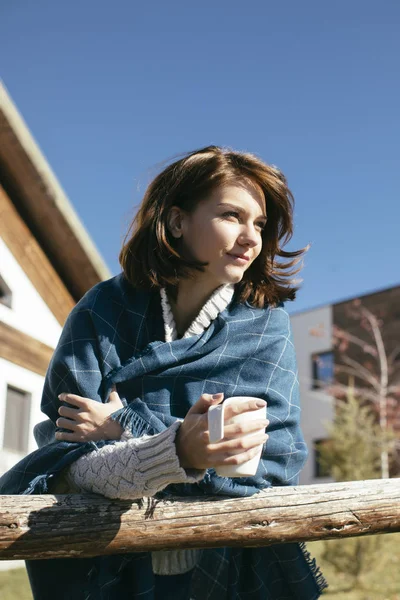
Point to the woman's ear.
(174, 222)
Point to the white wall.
(31, 315)
(317, 407)
(29, 312)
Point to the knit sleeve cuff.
(159, 464)
(133, 468)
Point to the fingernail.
(217, 396)
(60, 396)
(261, 403)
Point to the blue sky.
(112, 89)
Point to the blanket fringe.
(315, 569)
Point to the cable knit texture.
(133, 468)
(137, 467)
(211, 309)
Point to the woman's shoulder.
(274, 317)
(107, 289)
(116, 290)
(278, 310)
(108, 300)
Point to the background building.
(323, 361)
(47, 262)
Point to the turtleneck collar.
(217, 302)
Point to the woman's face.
(225, 230)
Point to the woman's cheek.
(230, 232)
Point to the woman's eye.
(231, 213)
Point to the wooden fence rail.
(82, 525)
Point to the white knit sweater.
(136, 467)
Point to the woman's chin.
(225, 277)
(233, 276)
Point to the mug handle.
(216, 422)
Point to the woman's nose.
(249, 237)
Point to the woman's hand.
(90, 420)
(193, 444)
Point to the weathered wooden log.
(88, 525)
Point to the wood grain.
(24, 350)
(32, 259)
(40, 199)
(80, 526)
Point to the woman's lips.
(240, 259)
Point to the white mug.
(216, 432)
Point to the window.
(5, 293)
(322, 369)
(16, 425)
(321, 447)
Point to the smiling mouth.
(239, 258)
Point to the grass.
(14, 585)
(380, 583)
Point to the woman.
(196, 315)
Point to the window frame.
(316, 382)
(23, 426)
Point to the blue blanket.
(114, 336)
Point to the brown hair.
(151, 258)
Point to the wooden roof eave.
(44, 206)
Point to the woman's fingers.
(193, 443)
(70, 413)
(237, 445)
(114, 398)
(81, 402)
(237, 408)
(239, 429)
(74, 399)
(204, 402)
(68, 437)
(238, 459)
(66, 424)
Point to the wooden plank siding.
(24, 350)
(32, 259)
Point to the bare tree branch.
(362, 393)
(355, 340)
(359, 371)
(393, 355)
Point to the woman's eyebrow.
(240, 209)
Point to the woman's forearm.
(132, 468)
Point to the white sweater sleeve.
(132, 468)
